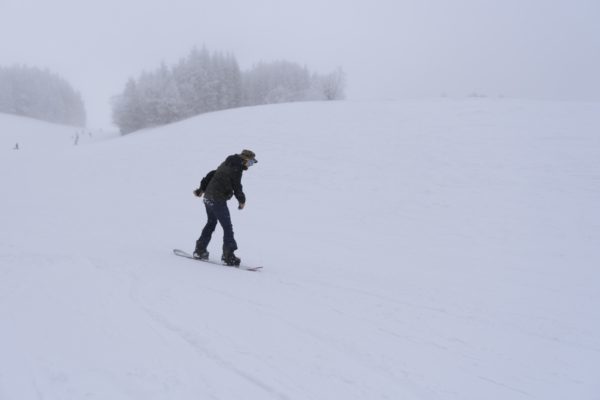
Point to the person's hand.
(198, 193)
(241, 206)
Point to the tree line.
(205, 81)
(199, 83)
(41, 94)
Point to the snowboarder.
(218, 186)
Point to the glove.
(198, 192)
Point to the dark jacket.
(225, 181)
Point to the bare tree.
(333, 85)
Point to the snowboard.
(185, 254)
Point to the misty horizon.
(388, 49)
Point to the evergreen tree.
(204, 82)
(127, 109)
(40, 94)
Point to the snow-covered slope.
(34, 135)
(412, 250)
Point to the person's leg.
(229, 243)
(221, 212)
(209, 228)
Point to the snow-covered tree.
(40, 94)
(127, 109)
(204, 82)
(333, 85)
(276, 82)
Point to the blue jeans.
(217, 211)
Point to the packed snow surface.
(443, 249)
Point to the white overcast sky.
(390, 49)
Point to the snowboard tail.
(185, 254)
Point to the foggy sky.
(390, 49)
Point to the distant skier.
(218, 186)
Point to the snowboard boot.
(230, 259)
(200, 254)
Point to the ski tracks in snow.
(257, 334)
(205, 353)
(141, 328)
